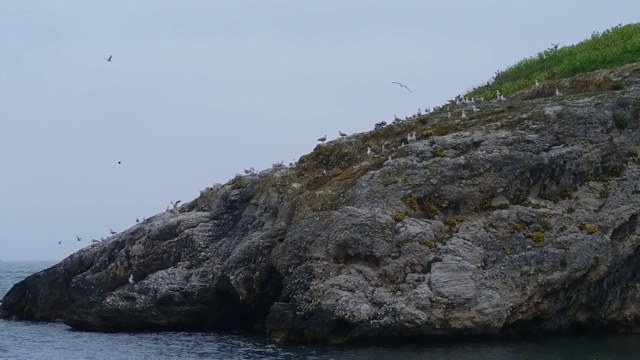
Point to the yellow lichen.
(411, 202)
(591, 229)
(432, 211)
(427, 133)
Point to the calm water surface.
(28, 340)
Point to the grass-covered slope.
(617, 46)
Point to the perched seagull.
(95, 241)
(109, 58)
(402, 86)
(369, 152)
(131, 281)
(78, 237)
(388, 161)
(558, 93)
(463, 114)
(475, 109)
(112, 232)
(137, 220)
(323, 139)
(342, 134)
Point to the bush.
(538, 237)
(398, 216)
(620, 119)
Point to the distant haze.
(199, 90)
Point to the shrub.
(517, 227)
(604, 193)
(398, 216)
(620, 119)
(506, 251)
(429, 243)
(582, 226)
(439, 152)
(538, 237)
(617, 85)
(432, 211)
(485, 204)
(591, 229)
(411, 202)
(427, 133)
(546, 224)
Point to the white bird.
(402, 86)
(323, 139)
(475, 109)
(112, 232)
(109, 58)
(369, 152)
(131, 281)
(388, 161)
(95, 241)
(448, 114)
(342, 134)
(463, 114)
(558, 93)
(537, 84)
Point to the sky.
(199, 90)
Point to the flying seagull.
(402, 86)
(120, 162)
(109, 58)
(78, 237)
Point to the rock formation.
(522, 217)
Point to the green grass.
(615, 47)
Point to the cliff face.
(520, 217)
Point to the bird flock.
(461, 102)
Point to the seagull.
(558, 93)
(78, 237)
(402, 86)
(369, 152)
(60, 242)
(137, 220)
(112, 232)
(323, 139)
(131, 281)
(95, 241)
(342, 134)
(109, 58)
(463, 114)
(119, 162)
(175, 205)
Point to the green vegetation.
(432, 211)
(617, 46)
(411, 202)
(398, 216)
(516, 228)
(546, 224)
(620, 119)
(538, 237)
(591, 229)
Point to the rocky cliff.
(520, 217)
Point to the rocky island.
(482, 217)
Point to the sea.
(36, 340)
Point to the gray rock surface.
(520, 218)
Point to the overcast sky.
(199, 90)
